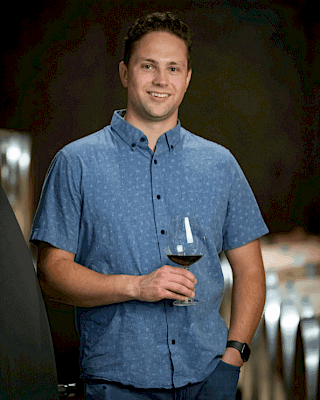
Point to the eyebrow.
(156, 62)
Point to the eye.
(174, 69)
(147, 66)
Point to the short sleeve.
(57, 219)
(244, 222)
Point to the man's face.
(157, 77)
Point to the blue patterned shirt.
(108, 198)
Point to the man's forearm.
(248, 296)
(71, 283)
(64, 280)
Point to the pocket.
(225, 380)
(229, 366)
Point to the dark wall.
(254, 87)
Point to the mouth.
(159, 95)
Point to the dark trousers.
(220, 385)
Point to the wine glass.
(185, 245)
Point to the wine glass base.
(189, 302)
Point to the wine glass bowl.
(185, 245)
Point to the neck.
(152, 129)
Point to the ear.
(189, 78)
(123, 72)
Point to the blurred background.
(254, 89)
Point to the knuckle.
(159, 293)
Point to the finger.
(182, 271)
(178, 289)
(182, 280)
(186, 274)
(166, 279)
(175, 296)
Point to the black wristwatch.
(243, 348)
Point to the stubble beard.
(156, 115)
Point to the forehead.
(160, 44)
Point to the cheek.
(142, 80)
(180, 84)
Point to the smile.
(161, 95)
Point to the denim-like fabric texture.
(221, 384)
(108, 199)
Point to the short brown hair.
(157, 22)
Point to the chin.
(160, 116)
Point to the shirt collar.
(134, 138)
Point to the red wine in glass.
(185, 245)
(184, 261)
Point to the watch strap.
(243, 348)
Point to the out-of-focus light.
(312, 360)
(271, 279)
(24, 162)
(11, 199)
(5, 172)
(311, 333)
(227, 272)
(13, 152)
(271, 317)
(289, 320)
(307, 309)
(272, 311)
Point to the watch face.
(245, 353)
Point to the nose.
(160, 77)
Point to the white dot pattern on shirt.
(100, 202)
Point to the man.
(101, 225)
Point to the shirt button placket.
(155, 161)
(158, 204)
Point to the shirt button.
(142, 139)
(163, 232)
(155, 161)
(173, 342)
(159, 197)
(133, 145)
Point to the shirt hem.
(126, 382)
(123, 382)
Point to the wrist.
(233, 357)
(243, 348)
(134, 290)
